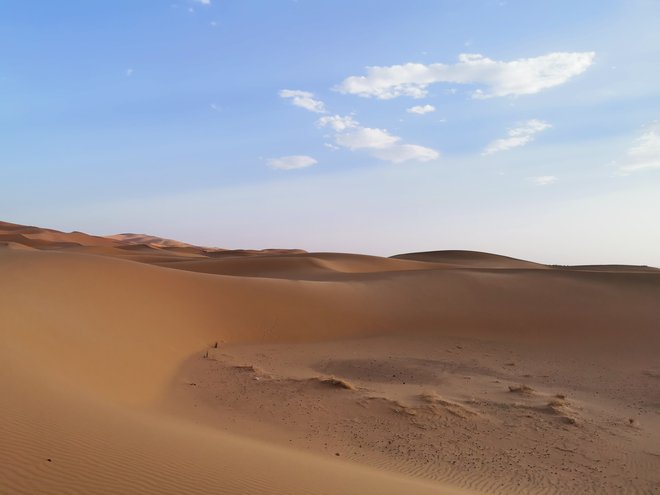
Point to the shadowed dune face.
(97, 330)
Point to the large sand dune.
(132, 365)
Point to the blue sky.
(524, 128)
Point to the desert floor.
(135, 364)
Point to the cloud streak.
(516, 77)
(291, 162)
(517, 137)
(338, 123)
(379, 143)
(421, 109)
(543, 180)
(644, 154)
(303, 99)
(351, 135)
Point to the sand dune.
(300, 266)
(48, 238)
(137, 247)
(121, 374)
(150, 240)
(469, 259)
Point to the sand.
(134, 364)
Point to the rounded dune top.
(298, 265)
(273, 262)
(469, 259)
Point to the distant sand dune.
(303, 266)
(471, 259)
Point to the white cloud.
(516, 77)
(379, 142)
(400, 153)
(129, 72)
(291, 162)
(517, 136)
(421, 109)
(337, 122)
(348, 133)
(366, 137)
(215, 107)
(544, 180)
(203, 2)
(303, 99)
(645, 152)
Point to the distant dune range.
(136, 364)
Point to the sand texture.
(137, 364)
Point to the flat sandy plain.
(135, 364)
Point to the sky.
(529, 129)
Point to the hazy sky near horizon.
(529, 129)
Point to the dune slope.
(86, 352)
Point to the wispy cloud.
(349, 134)
(380, 143)
(337, 122)
(215, 107)
(291, 162)
(543, 180)
(366, 137)
(421, 109)
(203, 2)
(517, 136)
(303, 99)
(644, 154)
(400, 153)
(515, 77)
(129, 72)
